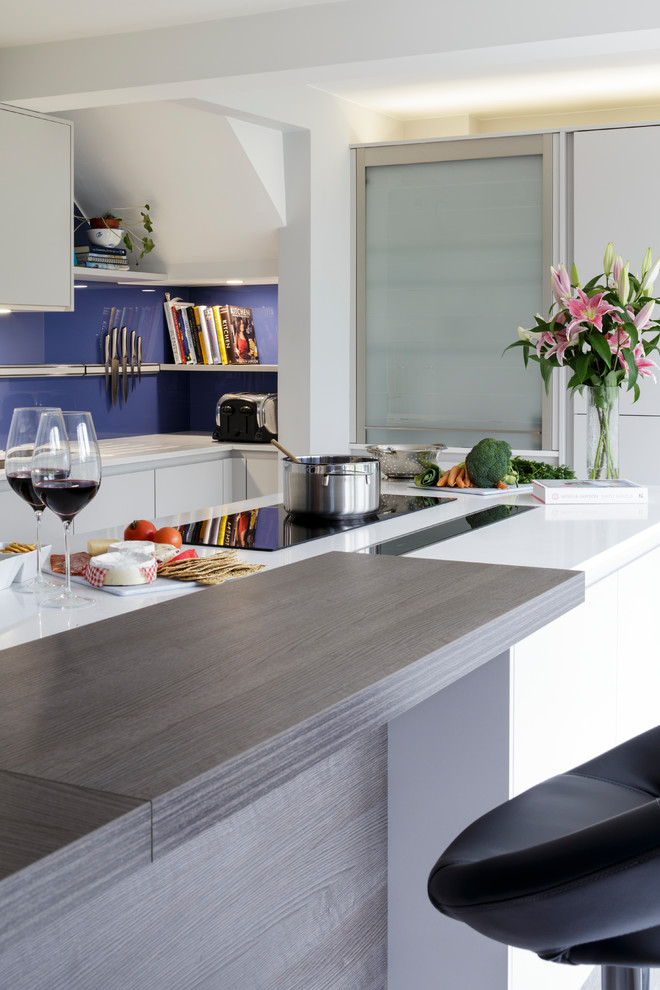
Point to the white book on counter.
(587, 492)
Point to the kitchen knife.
(124, 359)
(106, 356)
(115, 367)
(139, 345)
(133, 359)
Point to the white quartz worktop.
(595, 539)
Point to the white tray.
(433, 490)
(160, 585)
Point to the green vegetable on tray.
(489, 462)
(429, 475)
(538, 470)
(488, 465)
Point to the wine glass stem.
(38, 514)
(66, 523)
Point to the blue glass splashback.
(167, 402)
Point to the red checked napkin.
(96, 571)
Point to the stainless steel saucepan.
(335, 487)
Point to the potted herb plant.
(128, 224)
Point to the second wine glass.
(66, 474)
(18, 466)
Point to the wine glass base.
(67, 600)
(37, 586)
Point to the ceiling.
(43, 21)
(502, 80)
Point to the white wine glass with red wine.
(18, 470)
(66, 474)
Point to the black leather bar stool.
(570, 869)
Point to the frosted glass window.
(453, 264)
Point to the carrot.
(468, 483)
(459, 480)
(453, 474)
(500, 484)
(442, 480)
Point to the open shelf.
(81, 274)
(218, 367)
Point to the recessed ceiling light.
(3, 310)
(234, 281)
(148, 290)
(79, 285)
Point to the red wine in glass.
(18, 462)
(21, 483)
(67, 496)
(66, 474)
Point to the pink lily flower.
(558, 345)
(642, 320)
(592, 310)
(617, 269)
(644, 363)
(561, 284)
(618, 339)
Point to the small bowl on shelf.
(108, 237)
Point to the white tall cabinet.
(615, 176)
(36, 205)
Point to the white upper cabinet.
(36, 205)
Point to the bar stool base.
(622, 978)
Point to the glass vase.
(602, 432)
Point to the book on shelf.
(587, 492)
(200, 330)
(174, 330)
(241, 333)
(212, 346)
(111, 266)
(99, 249)
(189, 335)
(107, 259)
(220, 335)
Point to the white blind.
(453, 264)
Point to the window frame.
(552, 148)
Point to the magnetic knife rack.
(62, 370)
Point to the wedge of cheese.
(95, 547)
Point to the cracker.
(18, 548)
(212, 569)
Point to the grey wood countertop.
(191, 709)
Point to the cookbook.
(584, 491)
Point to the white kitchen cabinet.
(202, 484)
(120, 499)
(18, 522)
(255, 473)
(261, 473)
(36, 203)
(638, 687)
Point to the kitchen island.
(196, 791)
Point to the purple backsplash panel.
(167, 402)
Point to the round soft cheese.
(121, 568)
(132, 546)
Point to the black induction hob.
(272, 528)
(445, 530)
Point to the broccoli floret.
(488, 462)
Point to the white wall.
(615, 177)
